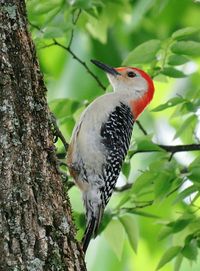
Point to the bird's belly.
(92, 153)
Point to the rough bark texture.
(36, 229)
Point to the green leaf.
(166, 231)
(115, 235)
(144, 53)
(53, 32)
(124, 199)
(80, 223)
(44, 13)
(79, 218)
(198, 243)
(162, 184)
(185, 193)
(171, 72)
(66, 125)
(184, 32)
(170, 103)
(107, 216)
(189, 121)
(144, 143)
(140, 9)
(64, 107)
(98, 27)
(87, 5)
(190, 250)
(178, 262)
(191, 48)
(143, 182)
(179, 224)
(176, 60)
(126, 168)
(196, 196)
(195, 174)
(195, 163)
(168, 256)
(43, 7)
(194, 170)
(190, 107)
(131, 228)
(189, 238)
(142, 213)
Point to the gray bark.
(36, 228)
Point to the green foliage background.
(155, 224)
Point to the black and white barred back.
(116, 135)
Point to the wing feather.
(116, 135)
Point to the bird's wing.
(116, 135)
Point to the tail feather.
(92, 228)
(88, 233)
(98, 221)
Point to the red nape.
(139, 105)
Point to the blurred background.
(155, 223)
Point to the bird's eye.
(131, 74)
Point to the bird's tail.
(94, 219)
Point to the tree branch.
(124, 187)
(137, 206)
(69, 50)
(57, 132)
(180, 148)
(141, 127)
(74, 21)
(171, 149)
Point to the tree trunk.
(36, 229)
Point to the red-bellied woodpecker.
(101, 139)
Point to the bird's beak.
(105, 67)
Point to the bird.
(100, 140)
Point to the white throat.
(135, 88)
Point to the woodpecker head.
(133, 80)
